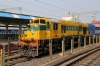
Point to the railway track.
(91, 60)
(14, 58)
(75, 61)
(77, 58)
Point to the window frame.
(55, 26)
(42, 21)
(37, 21)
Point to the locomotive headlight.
(32, 30)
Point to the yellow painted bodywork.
(28, 35)
(73, 32)
(53, 34)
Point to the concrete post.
(96, 39)
(1, 57)
(89, 40)
(8, 56)
(93, 40)
(85, 42)
(50, 49)
(72, 45)
(63, 47)
(99, 38)
(79, 43)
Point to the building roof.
(54, 20)
(95, 22)
(15, 15)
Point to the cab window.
(42, 21)
(36, 21)
(48, 25)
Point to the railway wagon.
(12, 33)
(94, 29)
(35, 40)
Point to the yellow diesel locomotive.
(35, 39)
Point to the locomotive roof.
(53, 20)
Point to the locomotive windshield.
(36, 21)
(42, 21)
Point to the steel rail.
(69, 58)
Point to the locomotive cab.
(35, 30)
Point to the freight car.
(35, 40)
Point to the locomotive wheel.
(30, 52)
(23, 50)
(33, 52)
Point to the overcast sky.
(54, 8)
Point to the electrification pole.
(13, 8)
(92, 12)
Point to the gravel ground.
(46, 59)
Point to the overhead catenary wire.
(43, 7)
(73, 5)
(39, 6)
(56, 6)
(13, 8)
(39, 12)
(31, 11)
(53, 6)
